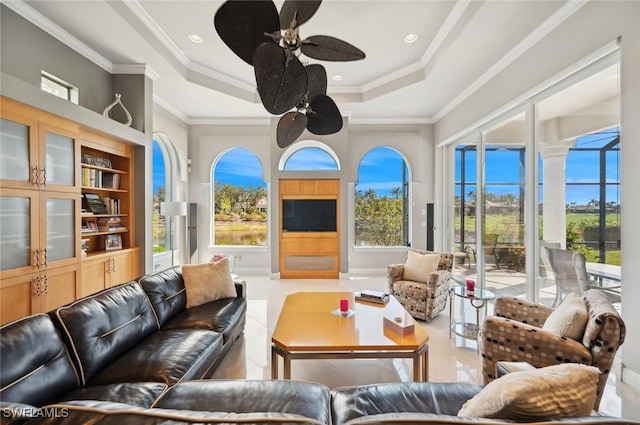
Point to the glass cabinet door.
(17, 152)
(18, 230)
(58, 158)
(59, 228)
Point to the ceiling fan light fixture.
(410, 38)
(270, 42)
(195, 38)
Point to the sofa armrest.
(507, 340)
(522, 311)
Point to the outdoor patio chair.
(490, 248)
(570, 274)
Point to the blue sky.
(381, 169)
(503, 166)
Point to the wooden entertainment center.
(310, 246)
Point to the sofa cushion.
(224, 316)
(309, 400)
(167, 356)
(358, 402)
(569, 319)
(418, 266)
(208, 282)
(559, 391)
(142, 394)
(166, 292)
(35, 367)
(102, 327)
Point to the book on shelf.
(94, 204)
(110, 224)
(112, 205)
(110, 181)
(100, 179)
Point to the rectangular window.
(57, 87)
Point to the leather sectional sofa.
(133, 354)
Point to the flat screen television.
(309, 215)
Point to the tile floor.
(450, 360)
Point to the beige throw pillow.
(418, 266)
(569, 319)
(208, 282)
(566, 390)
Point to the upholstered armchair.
(516, 334)
(426, 296)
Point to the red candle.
(471, 284)
(344, 306)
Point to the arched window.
(309, 155)
(239, 200)
(382, 199)
(161, 172)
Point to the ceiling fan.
(271, 43)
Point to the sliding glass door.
(546, 175)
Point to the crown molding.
(135, 68)
(452, 19)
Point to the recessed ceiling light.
(337, 78)
(410, 38)
(195, 38)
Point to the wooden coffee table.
(307, 329)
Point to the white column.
(554, 178)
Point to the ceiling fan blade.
(290, 127)
(324, 116)
(305, 10)
(242, 24)
(281, 78)
(317, 80)
(324, 47)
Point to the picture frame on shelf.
(103, 162)
(112, 242)
(89, 225)
(88, 159)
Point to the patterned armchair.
(515, 334)
(422, 300)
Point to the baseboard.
(368, 272)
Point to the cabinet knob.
(44, 177)
(46, 257)
(36, 257)
(45, 288)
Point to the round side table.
(478, 299)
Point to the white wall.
(593, 26)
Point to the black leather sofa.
(423, 403)
(134, 354)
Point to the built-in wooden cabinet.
(309, 253)
(107, 270)
(41, 201)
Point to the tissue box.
(402, 325)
